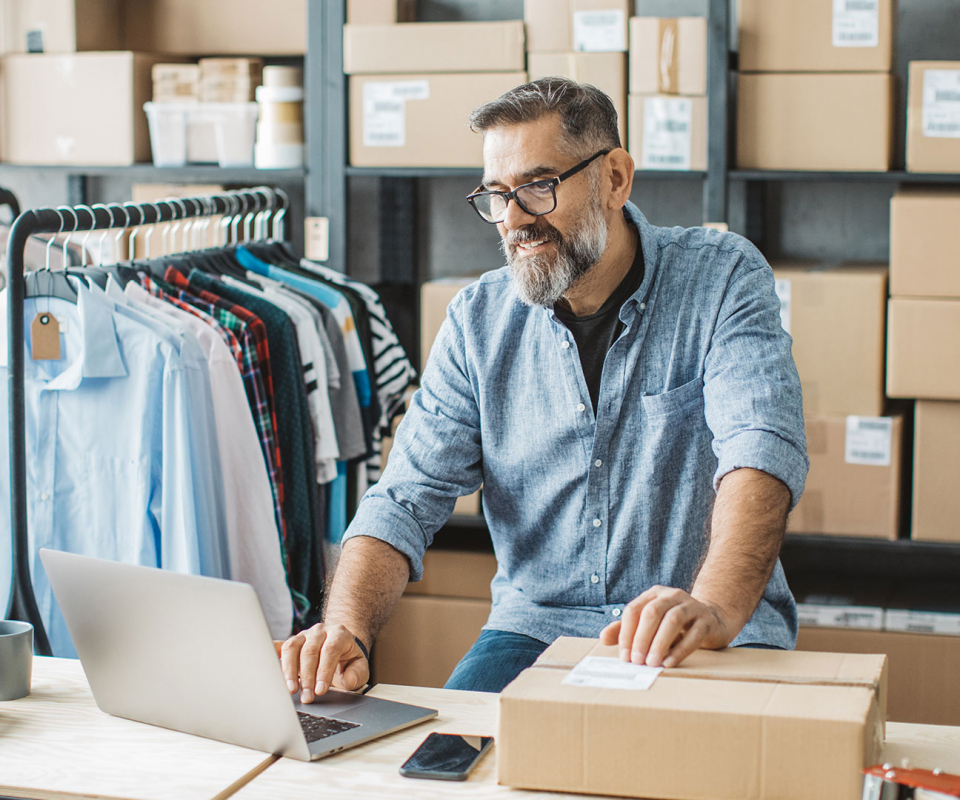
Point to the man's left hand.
(663, 626)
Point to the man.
(626, 396)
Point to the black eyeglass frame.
(553, 183)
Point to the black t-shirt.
(595, 333)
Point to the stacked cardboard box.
(413, 85)
(923, 349)
(583, 41)
(229, 80)
(60, 26)
(837, 318)
(933, 116)
(176, 83)
(816, 89)
(668, 87)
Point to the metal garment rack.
(22, 603)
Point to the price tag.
(45, 337)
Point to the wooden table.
(56, 743)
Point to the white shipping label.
(385, 111)
(922, 622)
(784, 288)
(856, 23)
(863, 617)
(667, 133)
(599, 31)
(941, 103)
(611, 673)
(869, 441)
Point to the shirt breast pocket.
(116, 515)
(675, 438)
(681, 400)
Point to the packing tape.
(667, 80)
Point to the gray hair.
(588, 119)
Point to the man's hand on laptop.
(322, 656)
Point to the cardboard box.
(549, 25)
(840, 122)
(215, 27)
(606, 71)
(420, 120)
(425, 639)
(923, 254)
(837, 320)
(755, 719)
(936, 465)
(668, 132)
(433, 47)
(923, 349)
(668, 55)
(587, 26)
(923, 669)
(456, 573)
(60, 26)
(853, 487)
(380, 12)
(933, 116)
(787, 36)
(91, 114)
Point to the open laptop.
(195, 655)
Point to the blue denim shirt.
(586, 512)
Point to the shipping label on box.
(933, 116)
(941, 103)
(599, 31)
(856, 23)
(869, 441)
(896, 619)
(831, 616)
(384, 111)
(783, 289)
(667, 133)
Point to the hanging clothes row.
(198, 410)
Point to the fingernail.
(625, 655)
(669, 663)
(321, 687)
(291, 686)
(637, 658)
(306, 696)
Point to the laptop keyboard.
(316, 728)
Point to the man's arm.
(369, 581)
(663, 626)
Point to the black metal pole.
(22, 604)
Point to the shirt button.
(44, 496)
(616, 612)
(581, 407)
(643, 306)
(597, 523)
(565, 345)
(598, 463)
(594, 579)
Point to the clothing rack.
(245, 203)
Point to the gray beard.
(542, 280)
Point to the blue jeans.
(495, 659)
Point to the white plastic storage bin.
(178, 129)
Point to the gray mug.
(16, 659)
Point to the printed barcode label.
(667, 133)
(783, 288)
(830, 616)
(856, 23)
(386, 107)
(941, 103)
(869, 441)
(599, 31)
(385, 111)
(922, 622)
(611, 673)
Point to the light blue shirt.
(112, 472)
(585, 512)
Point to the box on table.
(923, 251)
(60, 26)
(380, 12)
(589, 26)
(923, 669)
(230, 27)
(91, 111)
(838, 36)
(433, 47)
(606, 71)
(668, 55)
(837, 318)
(936, 465)
(756, 719)
(668, 132)
(923, 348)
(853, 487)
(840, 122)
(933, 116)
(420, 120)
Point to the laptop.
(195, 655)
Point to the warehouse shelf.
(476, 172)
(208, 173)
(893, 176)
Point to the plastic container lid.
(276, 77)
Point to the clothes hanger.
(47, 283)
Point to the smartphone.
(446, 757)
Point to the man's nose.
(515, 217)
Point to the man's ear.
(620, 170)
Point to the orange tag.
(45, 337)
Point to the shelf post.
(718, 81)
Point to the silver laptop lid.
(188, 653)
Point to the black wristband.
(363, 648)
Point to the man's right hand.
(319, 657)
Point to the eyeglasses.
(537, 198)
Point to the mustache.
(533, 233)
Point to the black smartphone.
(446, 757)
